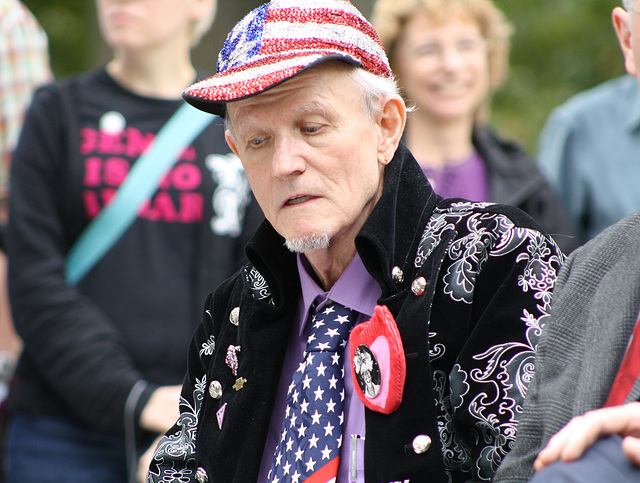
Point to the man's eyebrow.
(243, 124)
(313, 108)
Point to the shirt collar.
(355, 288)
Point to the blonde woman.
(450, 56)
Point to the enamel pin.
(378, 364)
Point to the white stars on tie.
(306, 382)
(313, 441)
(326, 453)
(343, 319)
(331, 406)
(315, 418)
(323, 346)
(333, 382)
(314, 413)
(328, 429)
(304, 406)
(310, 464)
(328, 310)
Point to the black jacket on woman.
(514, 179)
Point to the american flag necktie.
(309, 446)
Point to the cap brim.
(212, 94)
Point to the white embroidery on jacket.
(504, 370)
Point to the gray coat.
(595, 307)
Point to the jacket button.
(234, 316)
(418, 285)
(421, 444)
(215, 389)
(397, 274)
(201, 475)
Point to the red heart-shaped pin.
(378, 364)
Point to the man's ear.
(622, 25)
(392, 121)
(228, 136)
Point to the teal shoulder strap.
(143, 179)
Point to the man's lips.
(297, 200)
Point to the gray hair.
(627, 4)
(375, 89)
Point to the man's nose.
(287, 158)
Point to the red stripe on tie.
(325, 474)
(628, 372)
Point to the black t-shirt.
(132, 316)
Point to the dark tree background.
(560, 47)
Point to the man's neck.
(326, 266)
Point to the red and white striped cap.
(282, 38)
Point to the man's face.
(311, 154)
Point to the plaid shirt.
(24, 65)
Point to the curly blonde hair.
(390, 16)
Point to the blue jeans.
(52, 450)
(603, 462)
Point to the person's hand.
(145, 461)
(581, 432)
(161, 411)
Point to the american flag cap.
(281, 39)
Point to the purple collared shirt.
(357, 290)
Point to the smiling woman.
(450, 57)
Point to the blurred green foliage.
(558, 49)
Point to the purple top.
(357, 290)
(468, 179)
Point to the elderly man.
(589, 356)
(447, 297)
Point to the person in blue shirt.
(589, 147)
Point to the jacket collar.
(391, 234)
(389, 237)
